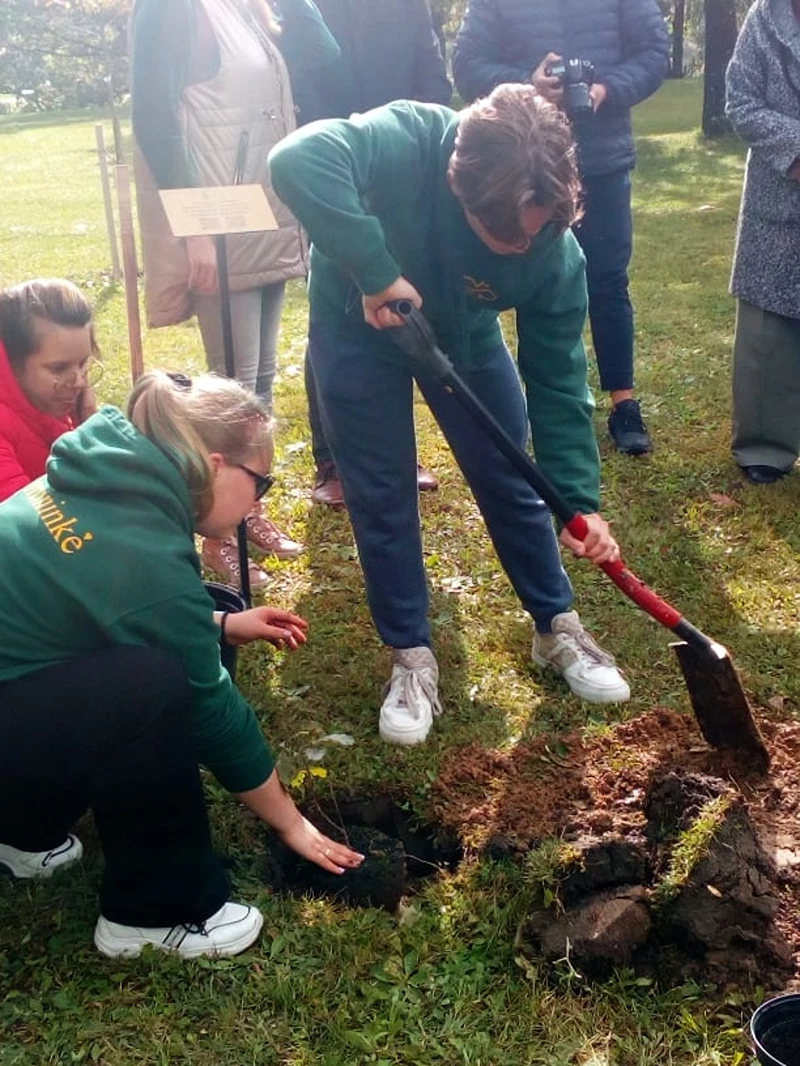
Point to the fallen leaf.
(721, 500)
(408, 913)
(777, 703)
(340, 738)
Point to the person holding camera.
(596, 60)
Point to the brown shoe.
(266, 536)
(427, 481)
(222, 556)
(327, 487)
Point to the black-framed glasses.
(181, 380)
(264, 482)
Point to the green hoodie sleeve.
(163, 34)
(226, 735)
(306, 43)
(324, 173)
(552, 361)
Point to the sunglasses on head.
(264, 482)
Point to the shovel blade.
(719, 702)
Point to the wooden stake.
(102, 160)
(130, 270)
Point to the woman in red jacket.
(47, 355)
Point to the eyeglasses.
(264, 482)
(89, 372)
(181, 380)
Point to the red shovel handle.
(633, 587)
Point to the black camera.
(575, 75)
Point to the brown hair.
(42, 299)
(514, 149)
(190, 419)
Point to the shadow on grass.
(683, 178)
(20, 123)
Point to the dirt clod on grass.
(677, 855)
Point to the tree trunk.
(720, 39)
(678, 26)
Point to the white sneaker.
(232, 929)
(27, 864)
(411, 698)
(589, 671)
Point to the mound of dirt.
(621, 798)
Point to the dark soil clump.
(380, 881)
(398, 849)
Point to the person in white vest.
(211, 95)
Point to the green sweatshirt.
(100, 552)
(373, 195)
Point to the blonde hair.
(514, 149)
(190, 419)
(24, 305)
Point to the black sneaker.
(763, 475)
(627, 428)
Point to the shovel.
(716, 693)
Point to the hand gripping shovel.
(718, 699)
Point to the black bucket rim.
(226, 597)
(787, 1005)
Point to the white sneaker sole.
(618, 693)
(114, 947)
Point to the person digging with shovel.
(464, 215)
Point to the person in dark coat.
(389, 51)
(763, 103)
(626, 41)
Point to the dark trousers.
(766, 388)
(366, 404)
(606, 235)
(319, 445)
(109, 732)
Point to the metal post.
(102, 160)
(130, 270)
(230, 370)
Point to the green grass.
(328, 985)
